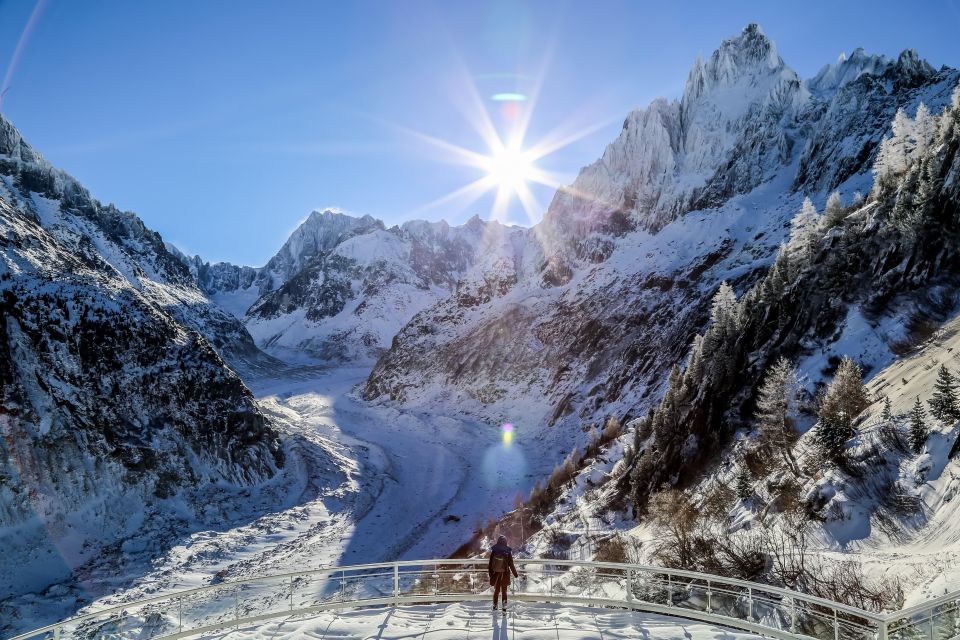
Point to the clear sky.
(224, 123)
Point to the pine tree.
(805, 230)
(887, 415)
(835, 211)
(893, 157)
(719, 338)
(924, 131)
(694, 371)
(744, 483)
(844, 400)
(943, 404)
(776, 405)
(918, 428)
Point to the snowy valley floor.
(375, 484)
(461, 621)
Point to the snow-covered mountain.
(341, 286)
(117, 411)
(604, 295)
(846, 492)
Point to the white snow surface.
(461, 621)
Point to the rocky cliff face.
(604, 295)
(341, 286)
(115, 404)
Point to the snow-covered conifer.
(895, 151)
(924, 130)
(844, 400)
(943, 403)
(835, 211)
(887, 415)
(744, 483)
(918, 427)
(777, 405)
(805, 230)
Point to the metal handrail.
(875, 625)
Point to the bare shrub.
(676, 517)
(788, 497)
(718, 502)
(613, 549)
(893, 436)
(759, 462)
(845, 582)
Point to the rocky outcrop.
(115, 402)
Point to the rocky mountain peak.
(847, 69)
(911, 70)
(749, 54)
(320, 232)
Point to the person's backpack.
(499, 563)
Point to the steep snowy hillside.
(830, 489)
(122, 426)
(68, 211)
(600, 299)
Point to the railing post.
(709, 598)
(179, 614)
(750, 604)
(882, 630)
(56, 633)
(236, 608)
(396, 583)
(930, 620)
(669, 590)
(291, 593)
(343, 577)
(629, 585)
(793, 614)
(836, 626)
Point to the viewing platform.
(560, 599)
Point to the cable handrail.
(674, 581)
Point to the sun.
(511, 168)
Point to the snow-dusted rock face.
(341, 286)
(65, 207)
(611, 286)
(114, 406)
(725, 135)
(353, 295)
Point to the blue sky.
(222, 124)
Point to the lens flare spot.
(508, 97)
(507, 437)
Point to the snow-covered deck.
(463, 620)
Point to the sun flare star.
(509, 167)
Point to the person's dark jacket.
(501, 577)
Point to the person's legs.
(497, 590)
